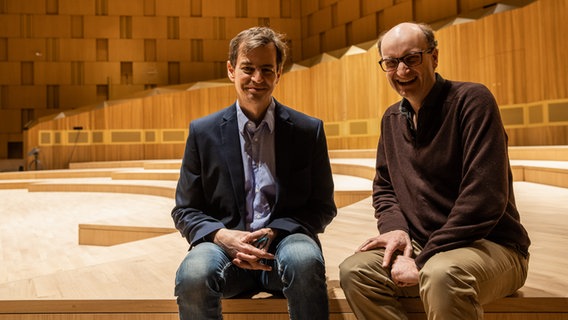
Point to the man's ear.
(278, 75)
(230, 71)
(435, 58)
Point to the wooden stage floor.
(41, 257)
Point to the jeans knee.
(199, 273)
(300, 258)
(191, 279)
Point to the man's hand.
(404, 272)
(392, 241)
(240, 245)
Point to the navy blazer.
(210, 192)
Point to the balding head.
(418, 30)
(409, 58)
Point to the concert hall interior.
(95, 101)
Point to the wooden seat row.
(510, 308)
(537, 300)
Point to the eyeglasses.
(412, 59)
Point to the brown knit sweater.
(447, 183)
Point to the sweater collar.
(431, 99)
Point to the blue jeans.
(206, 275)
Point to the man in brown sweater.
(449, 229)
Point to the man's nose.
(404, 66)
(257, 75)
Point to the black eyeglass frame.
(403, 58)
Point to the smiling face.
(255, 76)
(412, 83)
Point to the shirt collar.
(242, 119)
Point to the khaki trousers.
(452, 285)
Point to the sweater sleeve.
(387, 208)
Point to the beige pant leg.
(371, 293)
(455, 284)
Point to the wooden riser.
(511, 308)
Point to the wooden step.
(515, 307)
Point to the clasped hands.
(404, 271)
(247, 249)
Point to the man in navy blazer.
(255, 189)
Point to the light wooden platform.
(46, 274)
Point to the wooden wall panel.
(102, 72)
(295, 90)
(10, 26)
(128, 116)
(334, 38)
(467, 5)
(3, 49)
(52, 73)
(197, 71)
(126, 8)
(219, 8)
(309, 7)
(10, 74)
(538, 136)
(74, 96)
(74, 7)
(396, 14)
(26, 49)
(291, 27)
(293, 31)
(26, 7)
(196, 28)
(151, 73)
(106, 27)
(364, 29)
(472, 43)
(26, 97)
(522, 64)
(230, 27)
(311, 46)
(371, 7)
(10, 120)
(319, 21)
(51, 26)
(173, 8)
(325, 78)
(346, 11)
(77, 49)
(555, 46)
(368, 82)
(173, 50)
(119, 91)
(434, 10)
(126, 50)
(325, 3)
(263, 8)
(215, 50)
(149, 27)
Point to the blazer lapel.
(283, 144)
(231, 144)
